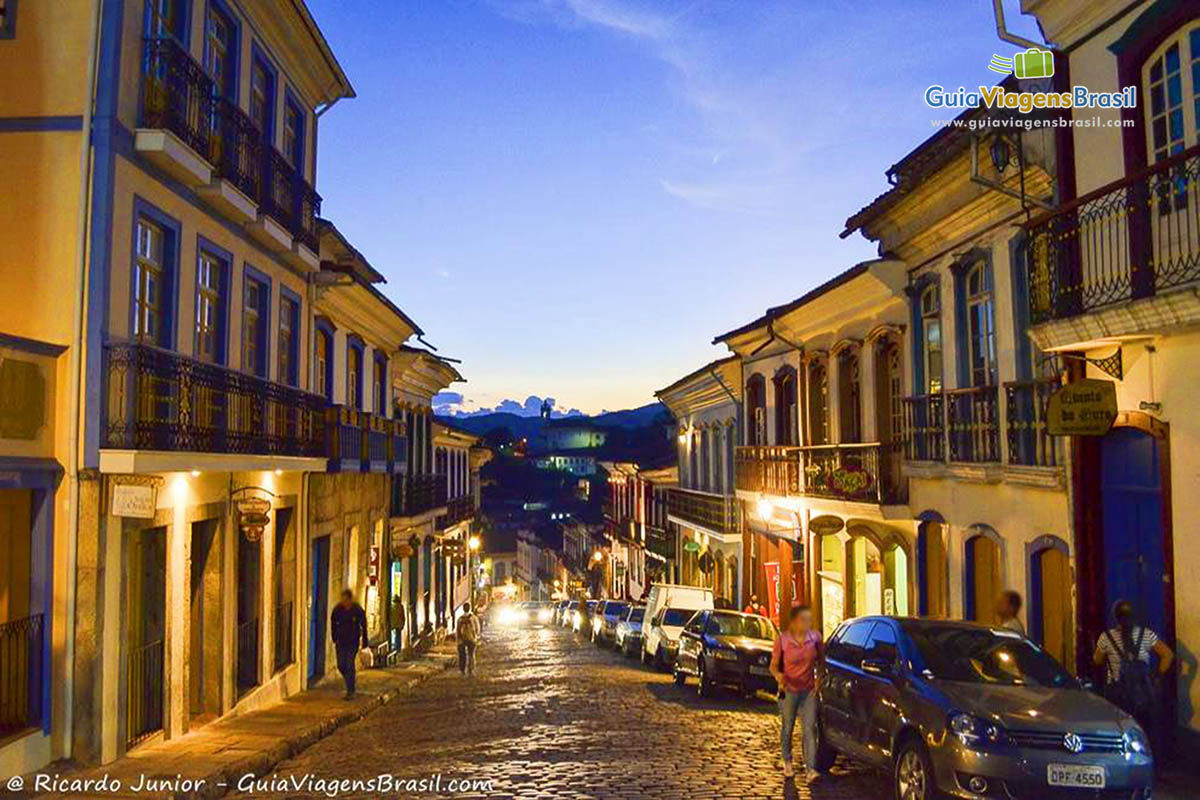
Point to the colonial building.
(458, 456)
(1112, 294)
(635, 545)
(818, 477)
(707, 405)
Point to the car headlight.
(544, 615)
(725, 655)
(973, 731)
(1136, 741)
(576, 619)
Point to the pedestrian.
(755, 607)
(794, 664)
(1008, 605)
(1130, 682)
(467, 632)
(348, 628)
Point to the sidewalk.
(214, 757)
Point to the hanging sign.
(825, 525)
(252, 516)
(1085, 407)
(707, 563)
(133, 500)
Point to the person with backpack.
(1131, 683)
(467, 631)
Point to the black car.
(727, 648)
(963, 710)
(609, 617)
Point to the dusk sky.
(575, 196)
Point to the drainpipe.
(76, 372)
(1002, 28)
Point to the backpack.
(1132, 688)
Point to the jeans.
(466, 657)
(804, 706)
(347, 657)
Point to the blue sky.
(575, 196)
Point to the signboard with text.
(133, 500)
(1085, 407)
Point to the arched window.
(931, 338)
(849, 396)
(931, 568)
(786, 418)
(981, 325)
(1172, 90)
(982, 577)
(756, 406)
(818, 402)
(705, 460)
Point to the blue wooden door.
(320, 609)
(1132, 492)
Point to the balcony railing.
(416, 494)
(177, 94)
(974, 424)
(284, 647)
(661, 542)
(1029, 443)
(855, 472)
(457, 510)
(712, 512)
(1131, 239)
(144, 692)
(925, 427)
(21, 674)
(159, 400)
(360, 440)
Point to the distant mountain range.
(530, 428)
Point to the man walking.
(348, 628)
(1008, 605)
(467, 632)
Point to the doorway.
(319, 610)
(982, 579)
(1050, 621)
(146, 584)
(249, 603)
(205, 612)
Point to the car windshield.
(677, 617)
(637, 615)
(742, 625)
(979, 655)
(615, 609)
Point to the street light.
(597, 556)
(473, 543)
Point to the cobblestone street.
(551, 716)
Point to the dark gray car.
(953, 708)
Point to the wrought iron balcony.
(308, 208)
(159, 400)
(1134, 238)
(279, 189)
(237, 148)
(21, 674)
(863, 473)
(712, 512)
(1029, 444)
(362, 441)
(177, 94)
(925, 427)
(974, 424)
(457, 510)
(660, 542)
(417, 494)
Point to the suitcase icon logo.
(1033, 63)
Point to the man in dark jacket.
(348, 628)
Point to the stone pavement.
(215, 755)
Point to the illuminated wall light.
(278, 472)
(765, 509)
(195, 473)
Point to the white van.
(668, 609)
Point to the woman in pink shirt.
(794, 665)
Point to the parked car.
(964, 710)
(629, 631)
(559, 606)
(661, 636)
(663, 595)
(569, 613)
(727, 648)
(607, 620)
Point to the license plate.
(1075, 776)
(759, 671)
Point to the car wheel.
(703, 687)
(680, 678)
(826, 755)
(913, 776)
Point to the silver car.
(968, 711)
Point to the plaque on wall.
(134, 500)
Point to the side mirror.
(877, 666)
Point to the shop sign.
(252, 516)
(691, 546)
(849, 481)
(1085, 407)
(373, 566)
(825, 525)
(133, 500)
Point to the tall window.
(381, 393)
(756, 401)
(321, 366)
(818, 402)
(289, 317)
(254, 330)
(981, 326)
(293, 135)
(149, 283)
(220, 51)
(210, 304)
(262, 96)
(786, 418)
(850, 398)
(1167, 111)
(354, 356)
(165, 18)
(931, 341)
(705, 459)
